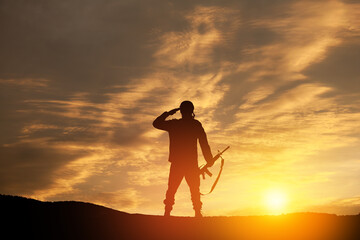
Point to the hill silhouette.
(25, 218)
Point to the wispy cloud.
(26, 82)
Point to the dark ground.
(24, 218)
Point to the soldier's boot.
(167, 211)
(197, 204)
(198, 213)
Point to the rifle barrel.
(225, 149)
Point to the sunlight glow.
(275, 201)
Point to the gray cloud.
(340, 68)
(28, 167)
(81, 45)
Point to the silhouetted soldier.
(183, 134)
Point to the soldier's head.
(187, 109)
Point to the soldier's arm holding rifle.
(204, 169)
(205, 148)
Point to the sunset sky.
(278, 81)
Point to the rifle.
(204, 169)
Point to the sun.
(275, 201)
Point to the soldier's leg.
(175, 177)
(193, 180)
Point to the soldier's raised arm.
(161, 123)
